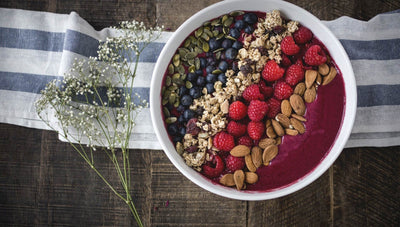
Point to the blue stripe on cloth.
(31, 39)
(373, 50)
(378, 95)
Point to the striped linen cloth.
(37, 47)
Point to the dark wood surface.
(43, 182)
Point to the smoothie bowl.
(253, 100)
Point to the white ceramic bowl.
(289, 11)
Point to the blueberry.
(250, 18)
(210, 61)
(191, 77)
(195, 92)
(172, 129)
(237, 45)
(222, 78)
(180, 108)
(203, 63)
(211, 78)
(249, 29)
(198, 72)
(239, 24)
(210, 88)
(223, 66)
(188, 114)
(234, 33)
(177, 139)
(226, 43)
(210, 68)
(181, 119)
(231, 53)
(183, 91)
(201, 81)
(182, 131)
(214, 44)
(186, 100)
(235, 67)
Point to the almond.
(283, 120)
(318, 81)
(286, 109)
(268, 123)
(331, 75)
(249, 163)
(270, 132)
(263, 143)
(297, 104)
(278, 141)
(291, 132)
(277, 128)
(240, 151)
(238, 178)
(227, 180)
(251, 177)
(300, 89)
(256, 156)
(297, 125)
(323, 69)
(270, 153)
(298, 117)
(310, 77)
(310, 94)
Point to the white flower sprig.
(94, 104)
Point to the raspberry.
(288, 46)
(233, 163)
(267, 91)
(255, 129)
(236, 129)
(215, 170)
(294, 74)
(274, 107)
(257, 110)
(237, 110)
(245, 140)
(285, 61)
(302, 35)
(315, 56)
(223, 141)
(252, 92)
(282, 90)
(272, 71)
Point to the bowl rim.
(223, 7)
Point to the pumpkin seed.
(217, 71)
(183, 76)
(206, 47)
(188, 84)
(180, 69)
(192, 68)
(224, 18)
(170, 68)
(183, 51)
(197, 63)
(220, 36)
(166, 112)
(236, 13)
(215, 33)
(164, 102)
(230, 37)
(215, 22)
(209, 33)
(176, 78)
(207, 23)
(225, 30)
(179, 148)
(218, 50)
(191, 61)
(168, 81)
(191, 55)
(176, 60)
(172, 98)
(205, 36)
(218, 55)
(187, 43)
(228, 21)
(198, 32)
(170, 120)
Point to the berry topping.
(252, 92)
(294, 74)
(237, 110)
(302, 35)
(213, 168)
(223, 141)
(274, 107)
(315, 56)
(272, 71)
(255, 129)
(233, 163)
(245, 140)
(266, 90)
(288, 46)
(236, 129)
(257, 110)
(282, 90)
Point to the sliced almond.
(300, 89)
(238, 178)
(256, 156)
(291, 132)
(283, 120)
(270, 132)
(251, 177)
(263, 143)
(310, 94)
(286, 109)
(277, 128)
(310, 77)
(227, 180)
(225, 107)
(270, 153)
(298, 125)
(331, 75)
(240, 151)
(297, 103)
(249, 163)
(323, 69)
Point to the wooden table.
(44, 182)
